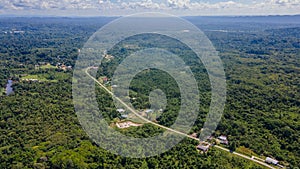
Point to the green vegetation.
(2, 91)
(48, 66)
(39, 127)
(39, 78)
(45, 76)
(246, 151)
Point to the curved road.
(172, 130)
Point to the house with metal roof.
(203, 147)
(149, 111)
(271, 161)
(120, 110)
(223, 139)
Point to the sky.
(127, 7)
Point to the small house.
(124, 116)
(194, 135)
(37, 67)
(149, 111)
(271, 161)
(223, 140)
(94, 67)
(105, 79)
(121, 110)
(204, 147)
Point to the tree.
(232, 146)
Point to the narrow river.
(9, 89)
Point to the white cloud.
(145, 4)
(278, 6)
(179, 7)
(227, 5)
(285, 2)
(179, 3)
(47, 4)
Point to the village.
(203, 146)
(128, 120)
(42, 77)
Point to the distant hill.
(284, 19)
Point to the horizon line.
(114, 16)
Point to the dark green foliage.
(39, 127)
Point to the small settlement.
(125, 124)
(204, 146)
(61, 66)
(123, 113)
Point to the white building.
(149, 111)
(223, 140)
(271, 161)
(120, 110)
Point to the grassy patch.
(1, 91)
(50, 76)
(48, 66)
(31, 77)
(246, 151)
(39, 77)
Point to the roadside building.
(271, 161)
(223, 139)
(149, 111)
(124, 116)
(37, 67)
(121, 110)
(194, 135)
(105, 79)
(94, 67)
(204, 147)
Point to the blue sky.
(125, 7)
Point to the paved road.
(133, 111)
(247, 157)
(172, 130)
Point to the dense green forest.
(39, 127)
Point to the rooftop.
(271, 160)
(203, 147)
(149, 111)
(222, 138)
(120, 110)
